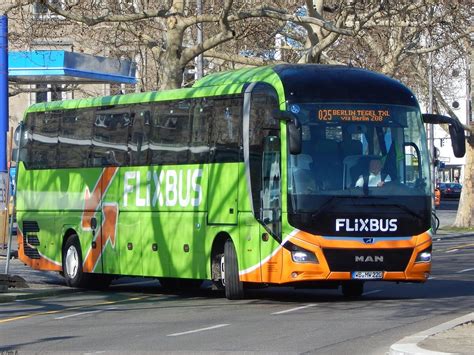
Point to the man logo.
(368, 240)
(369, 259)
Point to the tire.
(234, 288)
(72, 263)
(352, 289)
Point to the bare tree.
(387, 36)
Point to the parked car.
(450, 189)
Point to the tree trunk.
(171, 75)
(465, 214)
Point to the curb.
(451, 236)
(409, 344)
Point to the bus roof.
(295, 82)
(337, 83)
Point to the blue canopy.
(56, 66)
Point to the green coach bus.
(302, 175)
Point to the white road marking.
(452, 251)
(431, 277)
(465, 270)
(198, 330)
(87, 312)
(371, 292)
(294, 309)
(76, 314)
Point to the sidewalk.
(456, 336)
(39, 283)
(453, 337)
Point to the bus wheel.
(234, 288)
(352, 289)
(72, 263)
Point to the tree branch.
(255, 61)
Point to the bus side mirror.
(456, 130)
(294, 130)
(458, 140)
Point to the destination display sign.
(347, 115)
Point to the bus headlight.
(300, 255)
(424, 256)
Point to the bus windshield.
(375, 154)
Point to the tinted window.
(201, 132)
(42, 151)
(75, 138)
(139, 140)
(226, 130)
(170, 133)
(110, 136)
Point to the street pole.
(4, 115)
(3, 92)
(199, 59)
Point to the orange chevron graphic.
(92, 201)
(108, 228)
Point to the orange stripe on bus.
(108, 232)
(92, 200)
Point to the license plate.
(367, 275)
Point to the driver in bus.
(375, 175)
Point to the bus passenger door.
(270, 210)
(263, 169)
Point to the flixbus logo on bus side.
(164, 188)
(366, 225)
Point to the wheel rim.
(223, 270)
(72, 262)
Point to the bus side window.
(201, 128)
(26, 140)
(138, 143)
(74, 138)
(110, 136)
(226, 128)
(44, 144)
(170, 132)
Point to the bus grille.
(367, 259)
(30, 252)
(33, 240)
(30, 239)
(30, 226)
